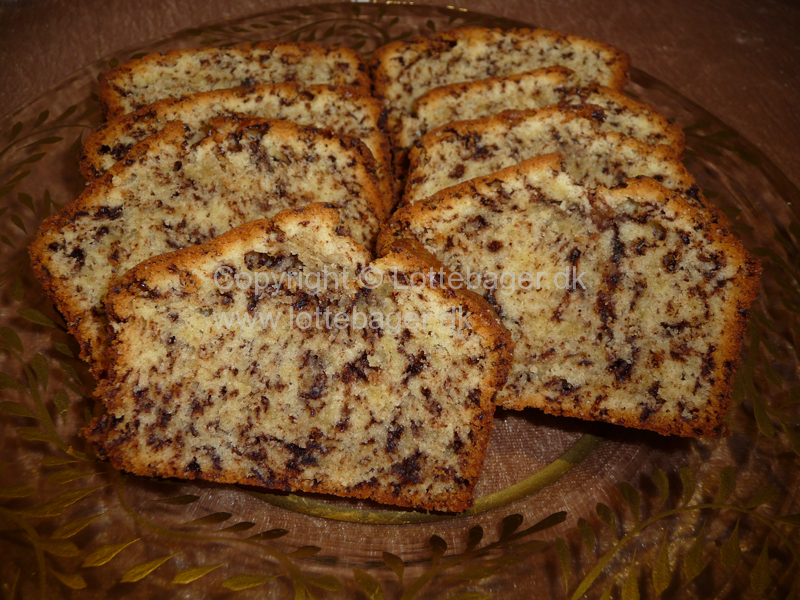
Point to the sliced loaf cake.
(533, 90)
(135, 84)
(283, 387)
(342, 110)
(404, 70)
(595, 151)
(626, 306)
(167, 194)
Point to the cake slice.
(342, 110)
(533, 90)
(137, 83)
(595, 151)
(283, 386)
(626, 306)
(404, 70)
(167, 194)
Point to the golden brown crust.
(115, 434)
(508, 119)
(482, 315)
(436, 47)
(427, 221)
(669, 134)
(89, 200)
(99, 143)
(345, 111)
(381, 204)
(618, 61)
(398, 228)
(531, 90)
(727, 355)
(599, 151)
(404, 70)
(118, 96)
(558, 76)
(104, 203)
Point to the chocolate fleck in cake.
(342, 110)
(533, 90)
(140, 82)
(168, 194)
(595, 153)
(643, 326)
(403, 71)
(212, 381)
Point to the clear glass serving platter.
(564, 508)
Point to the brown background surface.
(740, 59)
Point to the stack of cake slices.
(256, 308)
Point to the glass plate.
(564, 508)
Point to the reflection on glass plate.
(564, 507)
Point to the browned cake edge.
(483, 314)
(112, 129)
(509, 119)
(736, 317)
(560, 74)
(117, 126)
(89, 200)
(410, 258)
(675, 138)
(383, 204)
(674, 135)
(154, 113)
(443, 41)
(110, 93)
(86, 202)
